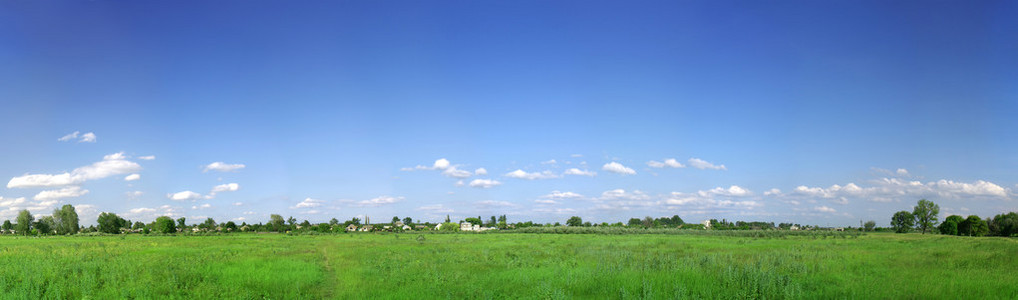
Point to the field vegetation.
(684, 264)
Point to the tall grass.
(670, 265)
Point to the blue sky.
(821, 113)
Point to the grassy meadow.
(508, 265)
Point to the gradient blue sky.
(821, 112)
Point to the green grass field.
(480, 266)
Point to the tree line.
(923, 218)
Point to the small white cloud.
(87, 138)
(615, 167)
(545, 201)
(223, 167)
(68, 137)
(732, 191)
(238, 203)
(229, 187)
(824, 209)
(441, 164)
(436, 209)
(460, 183)
(575, 171)
(203, 206)
(150, 157)
(493, 203)
(549, 162)
(576, 155)
(484, 183)
(382, 200)
(531, 176)
(67, 192)
(132, 177)
(183, 196)
(671, 163)
(772, 192)
(142, 210)
(452, 171)
(481, 171)
(902, 172)
(562, 195)
(309, 203)
(133, 195)
(703, 164)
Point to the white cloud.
(531, 176)
(113, 164)
(575, 171)
(238, 203)
(440, 164)
(150, 157)
(452, 171)
(732, 191)
(134, 194)
(223, 167)
(484, 183)
(132, 177)
(183, 196)
(615, 167)
(203, 206)
(549, 162)
(11, 201)
(557, 211)
(824, 209)
(69, 137)
(562, 195)
(773, 192)
(309, 203)
(436, 208)
(902, 172)
(481, 171)
(67, 192)
(227, 187)
(85, 138)
(671, 163)
(702, 164)
(493, 203)
(142, 210)
(621, 194)
(895, 189)
(381, 200)
(576, 155)
(545, 201)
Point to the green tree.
(1004, 224)
(473, 221)
(647, 222)
(925, 213)
(182, 223)
(165, 224)
(333, 222)
(408, 221)
(633, 222)
(574, 221)
(276, 223)
(110, 223)
(208, 225)
(447, 220)
(65, 220)
(973, 226)
(7, 226)
(869, 225)
(232, 227)
(45, 225)
(902, 221)
(24, 226)
(948, 227)
(957, 220)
